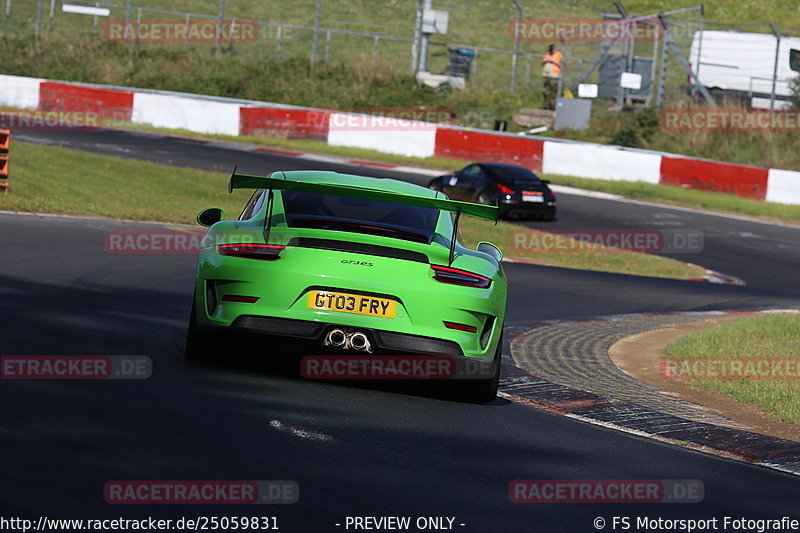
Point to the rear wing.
(244, 181)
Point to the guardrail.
(5, 140)
(230, 116)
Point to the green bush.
(637, 129)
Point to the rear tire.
(199, 347)
(485, 390)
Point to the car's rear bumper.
(389, 351)
(315, 332)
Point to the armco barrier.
(206, 114)
(55, 96)
(783, 186)
(412, 138)
(599, 161)
(203, 115)
(743, 180)
(290, 123)
(5, 142)
(19, 92)
(482, 146)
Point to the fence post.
(662, 75)
(220, 21)
(327, 44)
(5, 142)
(775, 66)
(515, 57)
(375, 50)
(39, 17)
(315, 38)
(415, 41)
(8, 7)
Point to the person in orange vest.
(551, 72)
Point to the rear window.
(312, 210)
(508, 175)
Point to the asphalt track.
(353, 451)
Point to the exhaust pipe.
(360, 342)
(336, 338)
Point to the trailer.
(740, 66)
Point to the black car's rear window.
(511, 174)
(312, 210)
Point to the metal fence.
(341, 37)
(386, 33)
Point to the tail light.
(461, 327)
(267, 252)
(455, 276)
(240, 299)
(504, 189)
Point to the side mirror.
(491, 249)
(209, 217)
(546, 182)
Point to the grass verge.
(761, 337)
(678, 196)
(56, 180)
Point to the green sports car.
(352, 265)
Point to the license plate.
(526, 198)
(352, 303)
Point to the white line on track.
(563, 189)
(301, 433)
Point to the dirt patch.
(640, 356)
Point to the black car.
(518, 191)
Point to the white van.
(741, 65)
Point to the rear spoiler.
(244, 181)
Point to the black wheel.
(485, 390)
(199, 347)
(549, 217)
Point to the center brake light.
(455, 276)
(266, 252)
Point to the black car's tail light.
(266, 252)
(504, 189)
(455, 276)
